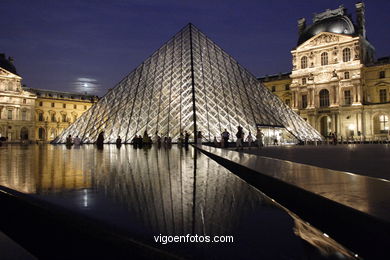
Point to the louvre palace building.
(336, 84)
(28, 114)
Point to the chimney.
(360, 19)
(301, 25)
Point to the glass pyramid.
(188, 84)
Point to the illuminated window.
(9, 115)
(324, 98)
(304, 101)
(382, 95)
(347, 97)
(383, 123)
(346, 75)
(324, 58)
(346, 54)
(304, 62)
(382, 74)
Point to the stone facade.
(16, 108)
(54, 111)
(35, 114)
(335, 84)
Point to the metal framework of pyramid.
(189, 84)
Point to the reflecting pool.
(150, 192)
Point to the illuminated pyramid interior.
(188, 84)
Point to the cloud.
(85, 84)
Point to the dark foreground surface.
(366, 159)
(84, 202)
(351, 208)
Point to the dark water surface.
(148, 192)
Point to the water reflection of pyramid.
(188, 84)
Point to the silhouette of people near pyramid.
(189, 84)
(118, 142)
(186, 139)
(240, 138)
(225, 139)
(69, 142)
(180, 141)
(100, 140)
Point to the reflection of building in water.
(43, 169)
(169, 191)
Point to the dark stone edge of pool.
(48, 231)
(364, 234)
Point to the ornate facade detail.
(323, 39)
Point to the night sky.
(90, 45)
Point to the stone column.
(364, 132)
(333, 123)
(338, 125)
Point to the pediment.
(324, 38)
(6, 73)
(382, 83)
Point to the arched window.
(346, 54)
(24, 115)
(346, 75)
(53, 133)
(40, 116)
(381, 124)
(53, 117)
(9, 116)
(304, 62)
(41, 133)
(324, 58)
(384, 123)
(324, 98)
(24, 133)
